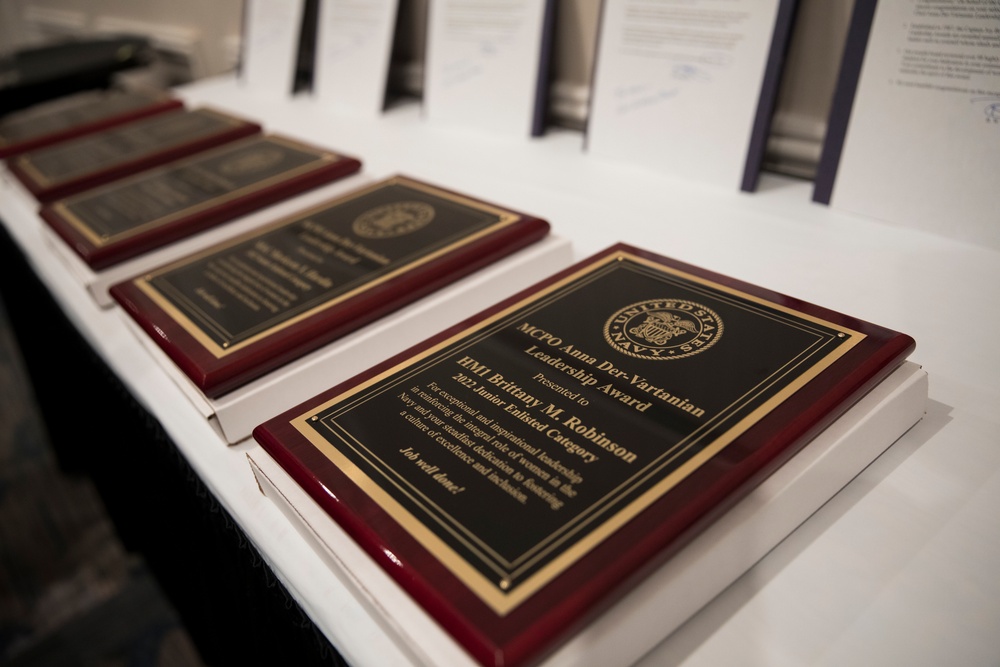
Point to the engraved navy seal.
(393, 219)
(254, 161)
(663, 329)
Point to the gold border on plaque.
(489, 591)
(62, 207)
(144, 283)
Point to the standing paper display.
(353, 51)
(75, 165)
(270, 47)
(688, 88)
(51, 122)
(914, 131)
(520, 471)
(487, 64)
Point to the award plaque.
(521, 471)
(236, 311)
(78, 164)
(125, 218)
(51, 122)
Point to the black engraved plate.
(239, 309)
(516, 446)
(247, 289)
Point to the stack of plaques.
(75, 165)
(73, 116)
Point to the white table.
(898, 568)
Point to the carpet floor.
(70, 594)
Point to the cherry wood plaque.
(521, 471)
(78, 164)
(49, 123)
(118, 221)
(234, 312)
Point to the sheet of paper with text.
(922, 146)
(486, 64)
(270, 47)
(677, 85)
(353, 51)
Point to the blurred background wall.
(199, 38)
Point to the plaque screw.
(504, 584)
